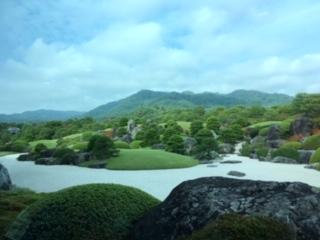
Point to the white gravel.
(159, 183)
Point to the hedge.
(311, 143)
(94, 211)
(315, 158)
(286, 152)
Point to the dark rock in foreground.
(236, 174)
(193, 204)
(5, 181)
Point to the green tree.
(213, 124)
(102, 147)
(206, 143)
(231, 134)
(308, 104)
(175, 144)
(195, 127)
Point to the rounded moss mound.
(241, 227)
(315, 158)
(94, 211)
(292, 144)
(288, 152)
(312, 143)
(121, 145)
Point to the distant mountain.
(148, 98)
(39, 116)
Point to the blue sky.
(75, 55)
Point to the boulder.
(273, 133)
(302, 126)
(226, 148)
(230, 162)
(132, 129)
(46, 161)
(126, 138)
(189, 145)
(258, 140)
(193, 204)
(5, 181)
(236, 174)
(305, 155)
(281, 159)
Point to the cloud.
(77, 56)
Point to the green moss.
(121, 145)
(246, 150)
(315, 158)
(264, 131)
(293, 144)
(11, 204)
(94, 211)
(262, 152)
(238, 227)
(136, 144)
(311, 143)
(288, 152)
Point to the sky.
(76, 55)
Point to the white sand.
(159, 183)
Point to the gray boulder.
(302, 126)
(305, 155)
(258, 140)
(46, 161)
(226, 148)
(236, 174)
(5, 181)
(231, 162)
(281, 159)
(132, 129)
(189, 145)
(193, 204)
(273, 133)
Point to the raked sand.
(159, 183)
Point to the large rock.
(274, 137)
(280, 159)
(195, 203)
(302, 126)
(226, 148)
(5, 181)
(132, 129)
(305, 155)
(189, 145)
(236, 174)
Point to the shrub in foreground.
(315, 158)
(241, 227)
(292, 144)
(121, 144)
(288, 152)
(94, 211)
(311, 143)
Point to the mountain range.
(148, 98)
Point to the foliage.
(262, 152)
(307, 104)
(136, 144)
(231, 134)
(148, 159)
(121, 144)
(242, 227)
(195, 127)
(50, 144)
(11, 204)
(288, 152)
(206, 143)
(315, 158)
(292, 144)
(101, 147)
(39, 148)
(65, 156)
(246, 150)
(94, 211)
(213, 124)
(311, 143)
(175, 144)
(16, 146)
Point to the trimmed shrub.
(246, 150)
(65, 156)
(311, 143)
(135, 144)
(264, 131)
(80, 146)
(121, 145)
(315, 158)
(292, 144)
(286, 152)
(262, 152)
(102, 147)
(175, 144)
(39, 148)
(93, 211)
(243, 227)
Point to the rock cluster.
(195, 203)
(302, 126)
(5, 181)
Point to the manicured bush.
(311, 143)
(80, 146)
(231, 134)
(241, 227)
(246, 150)
(65, 156)
(135, 144)
(101, 147)
(288, 152)
(292, 144)
(315, 158)
(175, 144)
(263, 132)
(262, 152)
(94, 211)
(121, 145)
(39, 148)
(17, 146)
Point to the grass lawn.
(11, 204)
(264, 124)
(146, 159)
(2, 154)
(49, 143)
(185, 125)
